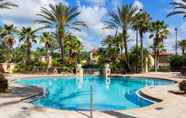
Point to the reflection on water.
(79, 82)
(109, 93)
(108, 82)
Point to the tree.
(135, 57)
(182, 45)
(8, 39)
(108, 41)
(8, 35)
(4, 4)
(123, 18)
(18, 54)
(73, 47)
(63, 18)
(48, 40)
(159, 32)
(141, 25)
(27, 35)
(179, 8)
(112, 46)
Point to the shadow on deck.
(117, 114)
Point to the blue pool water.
(73, 93)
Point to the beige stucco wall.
(8, 67)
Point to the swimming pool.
(73, 93)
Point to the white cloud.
(97, 2)
(93, 16)
(138, 4)
(170, 42)
(25, 13)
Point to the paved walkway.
(172, 106)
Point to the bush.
(23, 68)
(182, 86)
(28, 68)
(177, 62)
(3, 83)
(92, 66)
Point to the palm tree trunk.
(11, 55)
(136, 49)
(126, 48)
(121, 50)
(47, 56)
(61, 43)
(28, 59)
(183, 51)
(137, 39)
(70, 55)
(155, 59)
(46, 49)
(142, 55)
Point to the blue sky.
(94, 12)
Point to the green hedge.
(177, 62)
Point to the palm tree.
(182, 45)
(159, 32)
(73, 47)
(62, 18)
(47, 39)
(8, 37)
(141, 25)
(27, 35)
(123, 18)
(4, 4)
(112, 46)
(179, 8)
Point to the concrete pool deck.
(172, 106)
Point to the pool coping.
(140, 93)
(137, 112)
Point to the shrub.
(177, 62)
(3, 83)
(28, 68)
(23, 68)
(182, 86)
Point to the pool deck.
(172, 106)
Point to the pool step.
(35, 97)
(134, 98)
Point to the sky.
(93, 13)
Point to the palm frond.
(176, 13)
(6, 4)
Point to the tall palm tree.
(62, 18)
(182, 45)
(4, 4)
(141, 25)
(179, 8)
(159, 32)
(47, 39)
(27, 35)
(7, 35)
(123, 19)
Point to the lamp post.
(176, 47)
